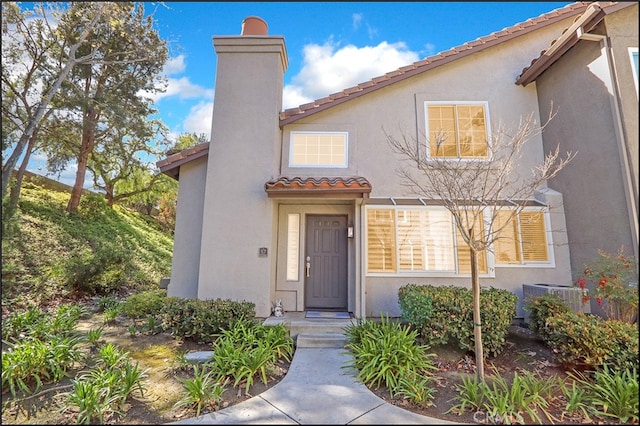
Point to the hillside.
(49, 255)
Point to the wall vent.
(571, 295)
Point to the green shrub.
(542, 307)
(590, 342)
(415, 305)
(202, 320)
(452, 316)
(99, 271)
(146, 303)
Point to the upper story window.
(457, 129)
(318, 149)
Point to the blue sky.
(330, 45)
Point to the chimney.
(253, 25)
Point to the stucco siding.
(488, 76)
(238, 215)
(186, 243)
(580, 86)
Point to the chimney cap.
(254, 25)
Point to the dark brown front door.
(326, 262)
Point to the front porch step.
(320, 326)
(321, 340)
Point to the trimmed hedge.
(202, 320)
(589, 341)
(541, 308)
(451, 317)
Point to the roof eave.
(589, 19)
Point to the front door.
(326, 262)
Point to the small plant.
(470, 395)
(110, 314)
(94, 335)
(577, 400)
(91, 402)
(133, 330)
(201, 391)
(106, 302)
(611, 277)
(417, 389)
(613, 393)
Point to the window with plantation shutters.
(507, 246)
(521, 240)
(425, 240)
(404, 240)
(464, 254)
(534, 238)
(381, 240)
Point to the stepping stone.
(199, 357)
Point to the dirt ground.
(157, 352)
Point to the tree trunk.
(88, 142)
(15, 189)
(477, 325)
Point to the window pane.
(534, 237)
(464, 255)
(293, 246)
(381, 245)
(442, 131)
(507, 246)
(319, 149)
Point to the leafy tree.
(36, 60)
(120, 156)
(101, 95)
(187, 140)
(468, 189)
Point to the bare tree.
(484, 195)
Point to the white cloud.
(356, 18)
(199, 119)
(327, 69)
(174, 65)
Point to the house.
(304, 205)
(590, 73)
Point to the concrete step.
(306, 326)
(321, 340)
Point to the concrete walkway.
(317, 389)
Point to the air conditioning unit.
(572, 296)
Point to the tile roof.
(171, 165)
(355, 186)
(293, 114)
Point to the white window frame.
(490, 257)
(487, 125)
(634, 51)
(329, 166)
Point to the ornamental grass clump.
(386, 354)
